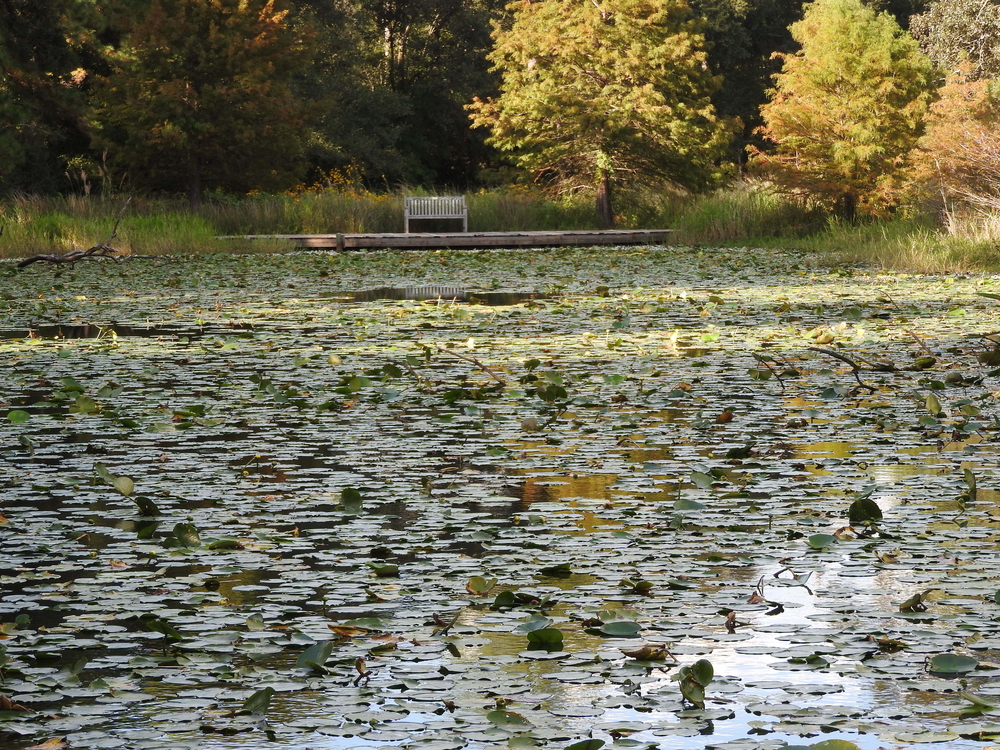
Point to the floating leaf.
(557, 571)
(56, 743)
(316, 656)
(952, 664)
(620, 629)
(18, 416)
(701, 480)
(384, 570)
(821, 541)
(683, 503)
(864, 511)
(546, 638)
(586, 745)
(504, 600)
(479, 586)
(507, 719)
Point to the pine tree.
(602, 91)
(847, 108)
(199, 97)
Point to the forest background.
(835, 123)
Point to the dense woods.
(832, 100)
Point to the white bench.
(435, 207)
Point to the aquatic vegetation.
(628, 497)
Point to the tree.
(847, 108)
(954, 31)
(42, 48)
(959, 155)
(199, 97)
(396, 75)
(603, 91)
(742, 37)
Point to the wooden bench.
(435, 207)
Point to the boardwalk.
(473, 239)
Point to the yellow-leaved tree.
(606, 90)
(846, 109)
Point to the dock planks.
(483, 240)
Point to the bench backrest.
(435, 207)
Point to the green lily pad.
(952, 664)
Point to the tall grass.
(748, 211)
(746, 214)
(918, 244)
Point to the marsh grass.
(747, 214)
(916, 244)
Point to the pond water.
(245, 503)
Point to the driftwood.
(100, 250)
(855, 367)
(97, 251)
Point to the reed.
(747, 213)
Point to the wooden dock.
(576, 238)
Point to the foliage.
(961, 32)
(198, 97)
(847, 108)
(393, 78)
(958, 158)
(597, 92)
(742, 37)
(42, 48)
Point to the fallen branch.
(100, 250)
(97, 251)
(855, 367)
(474, 361)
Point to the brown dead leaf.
(56, 743)
(6, 704)
(346, 631)
(648, 653)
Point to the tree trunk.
(605, 212)
(194, 183)
(847, 207)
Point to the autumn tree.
(603, 91)
(847, 108)
(958, 158)
(199, 97)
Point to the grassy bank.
(748, 214)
